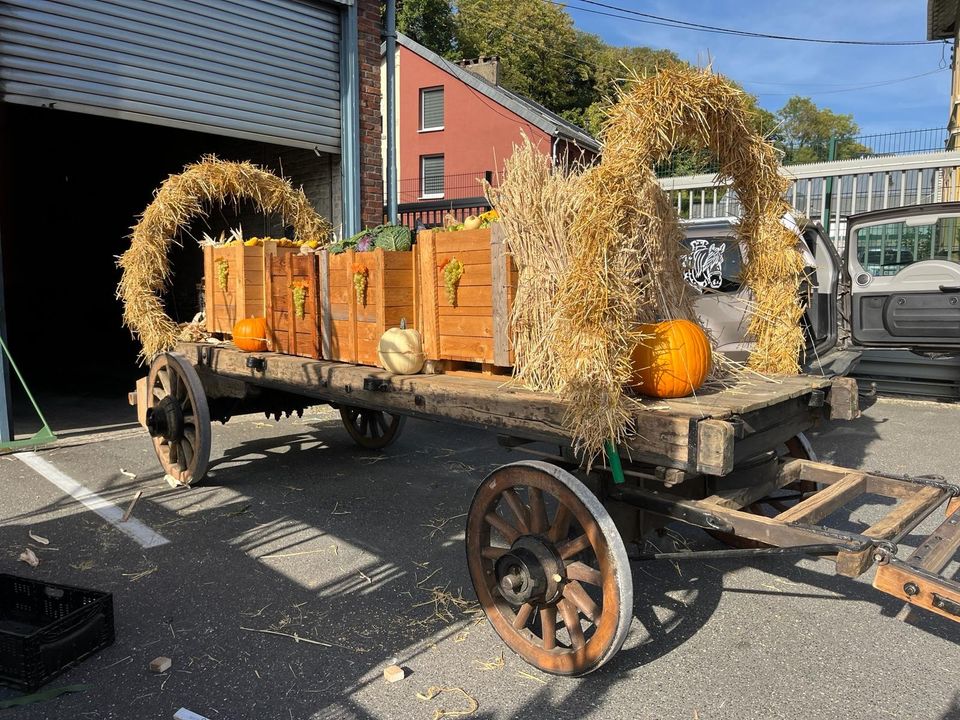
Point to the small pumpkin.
(673, 361)
(250, 334)
(472, 222)
(400, 350)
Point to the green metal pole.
(828, 190)
(616, 467)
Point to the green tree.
(537, 45)
(806, 129)
(428, 22)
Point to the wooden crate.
(351, 331)
(289, 334)
(477, 328)
(244, 295)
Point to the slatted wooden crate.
(291, 333)
(350, 330)
(477, 328)
(243, 294)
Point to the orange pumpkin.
(250, 334)
(673, 362)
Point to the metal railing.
(454, 187)
(858, 186)
(851, 147)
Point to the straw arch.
(627, 268)
(180, 199)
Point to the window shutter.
(432, 175)
(431, 110)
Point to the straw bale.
(180, 199)
(599, 252)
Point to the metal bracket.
(817, 399)
(946, 604)
(258, 364)
(375, 384)
(820, 549)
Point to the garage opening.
(71, 187)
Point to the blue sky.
(774, 70)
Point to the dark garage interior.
(71, 187)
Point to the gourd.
(673, 361)
(400, 350)
(472, 223)
(250, 334)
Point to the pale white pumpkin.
(400, 350)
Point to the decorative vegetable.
(401, 350)
(299, 289)
(388, 237)
(452, 272)
(673, 361)
(223, 273)
(472, 222)
(250, 334)
(360, 273)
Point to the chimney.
(485, 66)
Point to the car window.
(712, 263)
(887, 248)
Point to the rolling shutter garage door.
(267, 70)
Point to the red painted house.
(457, 124)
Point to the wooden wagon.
(546, 541)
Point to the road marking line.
(146, 536)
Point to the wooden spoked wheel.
(178, 418)
(549, 568)
(372, 429)
(796, 447)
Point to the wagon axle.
(165, 420)
(532, 570)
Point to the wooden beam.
(844, 399)
(662, 438)
(821, 504)
(908, 513)
(326, 318)
(500, 281)
(715, 447)
(936, 594)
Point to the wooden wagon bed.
(704, 434)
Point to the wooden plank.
(938, 549)
(895, 577)
(469, 258)
(467, 349)
(467, 326)
(499, 266)
(462, 241)
(326, 318)
(821, 504)
(473, 276)
(907, 514)
(662, 439)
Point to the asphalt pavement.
(356, 559)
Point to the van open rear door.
(904, 270)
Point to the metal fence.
(858, 186)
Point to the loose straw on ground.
(209, 183)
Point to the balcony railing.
(455, 187)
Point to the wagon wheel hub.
(531, 571)
(165, 419)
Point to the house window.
(431, 176)
(431, 108)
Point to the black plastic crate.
(45, 628)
